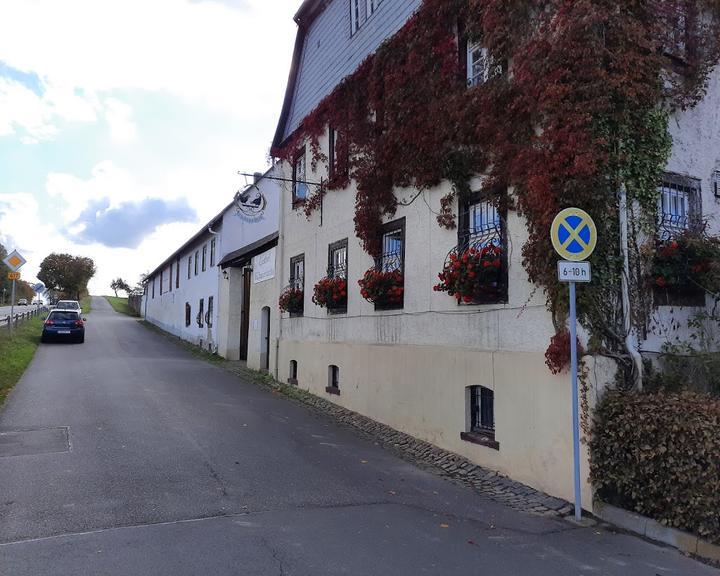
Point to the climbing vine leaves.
(577, 103)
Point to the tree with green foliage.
(120, 284)
(67, 274)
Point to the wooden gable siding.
(330, 52)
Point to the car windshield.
(60, 316)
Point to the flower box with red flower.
(685, 268)
(331, 293)
(292, 300)
(473, 275)
(384, 288)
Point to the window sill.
(337, 311)
(481, 439)
(332, 390)
(292, 381)
(296, 314)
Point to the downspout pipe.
(631, 343)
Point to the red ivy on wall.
(564, 124)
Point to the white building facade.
(218, 290)
(471, 378)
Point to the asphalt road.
(126, 455)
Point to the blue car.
(63, 325)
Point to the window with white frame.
(678, 205)
(480, 65)
(212, 252)
(337, 259)
(189, 267)
(371, 6)
(355, 15)
(299, 185)
(483, 223)
(393, 246)
(204, 257)
(297, 272)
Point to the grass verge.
(16, 352)
(120, 305)
(86, 304)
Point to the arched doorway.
(265, 339)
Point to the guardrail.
(9, 321)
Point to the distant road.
(5, 310)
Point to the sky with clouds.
(123, 123)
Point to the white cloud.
(119, 117)
(205, 51)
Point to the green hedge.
(659, 454)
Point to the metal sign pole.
(575, 415)
(12, 307)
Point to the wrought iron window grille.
(679, 206)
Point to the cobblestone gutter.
(457, 468)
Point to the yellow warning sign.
(13, 275)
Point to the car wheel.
(43, 339)
(81, 339)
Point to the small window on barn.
(201, 313)
(197, 261)
(212, 252)
(204, 257)
(292, 372)
(209, 313)
(480, 416)
(299, 184)
(177, 273)
(189, 267)
(333, 386)
(188, 314)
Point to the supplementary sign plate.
(14, 261)
(13, 275)
(573, 234)
(574, 271)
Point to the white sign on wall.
(264, 266)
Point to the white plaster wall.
(239, 231)
(167, 310)
(264, 294)
(695, 153)
(421, 390)
(409, 368)
(428, 317)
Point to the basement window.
(333, 386)
(480, 417)
(292, 373)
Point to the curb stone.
(424, 454)
(653, 530)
